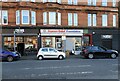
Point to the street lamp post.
(14, 41)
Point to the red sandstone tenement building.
(45, 23)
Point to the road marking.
(70, 73)
(56, 67)
(114, 71)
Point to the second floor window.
(104, 2)
(26, 0)
(74, 2)
(114, 3)
(92, 2)
(4, 17)
(72, 19)
(58, 1)
(92, 20)
(51, 18)
(104, 20)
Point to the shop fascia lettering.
(59, 32)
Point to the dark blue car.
(8, 55)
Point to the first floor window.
(72, 19)
(59, 18)
(17, 17)
(75, 19)
(104, 20)
(89, 20)
(33, 17)
(25, 16)
(45, 18)
(114, 20)
(92, 20)
(4, 16)
(52, 18)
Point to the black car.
(98, 51)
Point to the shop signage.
(19, 30)
(61, 32)
(106, 36)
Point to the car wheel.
(40, 57)
(60, 57)
(90, 56)
(9, 58)
(113, 56)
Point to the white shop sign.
(19, 30)
(61, 32)
(106, 36)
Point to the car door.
(102, 51)
(53, 53)
(95, 51)
(45, 52)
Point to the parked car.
(98, 51)
(76, 51)
(50, 53)
(8, 55)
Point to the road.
(70, 68)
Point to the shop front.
(24, 42)
(64, 39)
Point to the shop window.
(9, 38)
(86, 41)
